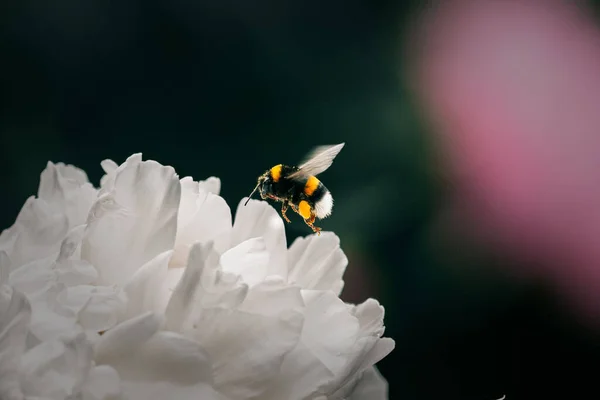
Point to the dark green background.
(229, 88)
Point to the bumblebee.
(299, 187)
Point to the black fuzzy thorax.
(293, 189)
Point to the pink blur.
(513, 92)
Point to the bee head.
(264, 186)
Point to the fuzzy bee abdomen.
(320, 198)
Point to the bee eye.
(267, 185)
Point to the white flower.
(145, 289)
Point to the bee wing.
(317, 161)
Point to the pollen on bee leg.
(315, 229)
(310, 222)
(304, 209)
(284, 208)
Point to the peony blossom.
(146, 289)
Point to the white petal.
(203, 217)
(50, 319)
(34, 277)
(144, 288)
(97, 307)
(103, 383)
(72, 173)
(189, 195)
(369, 349)
(76, 272)
(367, 352)
(171, 357)
(180, 304)
(317, 262)
(329, 329)
(109, 167)
(272, 297)
(371, 386)
(300, 376)
(37, 276)
(203, 284)
(9, 237)
(161, 390)
(211, 184)
(4, 267)
(71, 245)
(167, 287)
(57, 369)
(191, 189)
(133, 222)
(15, 314)
(381, 349)
(150, 363)
(370, 317)
(69, 269)
(39, 282)
(67, 190)
(247, 348)
(328, 337)
(259, 219)
(216, 288)
(220, 289)
(107, 182)
(37, 233)
(126, 337)
(48, 325)
(249, 259)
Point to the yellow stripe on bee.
(304, 209)
(311, 185)
(276, 173)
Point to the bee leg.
(284, 208)
(310, 222)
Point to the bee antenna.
(256, 187)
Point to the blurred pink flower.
(513, 89)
